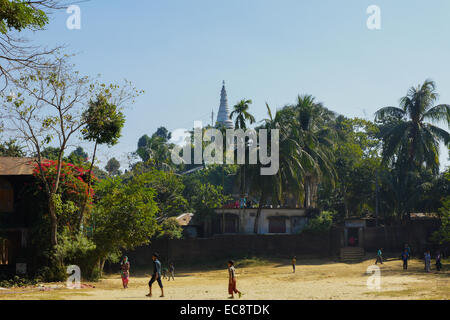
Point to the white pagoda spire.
(223, 116)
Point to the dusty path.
(314, 279)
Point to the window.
(6, 196)
(4, 252)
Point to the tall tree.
(242, 114)
(411, 142)
(103, 125)
(315, 138)
(113, 166)
(408, 131)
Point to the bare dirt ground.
(269, 280)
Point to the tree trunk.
(83, 207)
(262, 199)
(54, 221)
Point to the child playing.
(171, 271)
(405, 257)
(438, 261)
(232, 289)
(294, 261)
(379, 256)
(164, 272)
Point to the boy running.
(156, 276)
(232, 289)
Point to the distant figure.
(405, 257)
(408, 249)
(156, 276)
(232, 288)
(427, 258)
(438, 261)
(379, 256)
(171, 271)
(125, 271)
(351, 241)
(294, 261)
(164, 272)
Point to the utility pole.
(376, 197)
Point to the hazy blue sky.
(179, 51)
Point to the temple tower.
(223, 117)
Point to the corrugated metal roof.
(16, 166)
(184, 219)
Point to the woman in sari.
(125, 271)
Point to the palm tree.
(406, 130)
(290, 166)
(240, 110)
(315, 138)
(411, 141)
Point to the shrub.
(320, 223)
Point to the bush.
(171, 229)
(73, 249)
(321, 223)
(17, 281)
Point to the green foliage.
(442, 236)
(320, 223)
(10, 148)
(409, 137)
(19, 15)
(356, 162)
(17, 282)
(240, 110)
(78, 157)
(168, 189)
(170, 228)
(113, 167)
(124, 216)
(104, 121)
(207, 198)
(154, 151)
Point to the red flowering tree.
(73, 187)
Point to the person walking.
(125, 271)
(156, 276)
(379, 256)
(171, 271)
(232, 288)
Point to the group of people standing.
(406, 255)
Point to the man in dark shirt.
(156, 276)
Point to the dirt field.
(260, 280)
